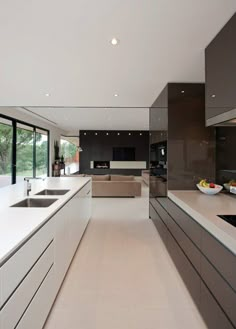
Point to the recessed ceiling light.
(47, 94)
(182, 91)
(140, 134)
(107, 134)
(116, 95)
(96, 134)
(129, 134)
(118, 134)
(213, 96)
(115, 41)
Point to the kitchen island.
(37, 245)
(203, 248)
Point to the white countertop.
(17, 224)
(205, 208)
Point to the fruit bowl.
(227, 186)
(209, 190)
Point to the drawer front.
(220, 257)
(160, 226)
(162, 212)
(222, 292)
(190, 250)
(38, 310)
(20, 300)
(17, 267)
(86, 190)
(185, 268)
(211, 311)
(187, 223)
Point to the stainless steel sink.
(52, 192)
(34, 203)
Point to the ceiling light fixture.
(213, 96)
(47, 94)
(115, 41)
(182, 91)
(116, 95)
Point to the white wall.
(55, 132)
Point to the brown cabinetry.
(220, 66)
(206, 266)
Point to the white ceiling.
(74, 119)
(62, 48)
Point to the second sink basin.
(37, 203)
(52, 192)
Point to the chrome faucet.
(28, 184)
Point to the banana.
(204, 183)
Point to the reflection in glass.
(6, 132)
(41, 143)
(69, 151)
(24, 151)
(158, 152)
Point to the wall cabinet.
(220, 71)
(206, 266)
(31, 277)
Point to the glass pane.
(24, 152)
(69, 151)
(6, 131)
(41, 153)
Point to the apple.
(212, 185)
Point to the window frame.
(14, 140)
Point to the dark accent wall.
(98, 146)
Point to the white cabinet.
(18, 266)
(31, 278)
(70, 223)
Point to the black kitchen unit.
(220, 64)
(182, 149)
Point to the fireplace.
(101, 164)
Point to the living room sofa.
(115, 186)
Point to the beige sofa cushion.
(119, 178)
(116, 189)
(98, 178)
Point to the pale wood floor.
(122, 276)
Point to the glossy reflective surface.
(35, 203)
(52, 192)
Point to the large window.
(69, 151)
(41, 139)
(23, 151)
(6, 133)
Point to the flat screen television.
(123, 153)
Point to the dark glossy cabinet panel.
(160, 226)
(220, 289)
(212, 312)
(192, 229)
(185, 268)
(177, 129)
(222, 259)
(191, 146)
(206, 266)
(221, 71)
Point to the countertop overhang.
(204, 210)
